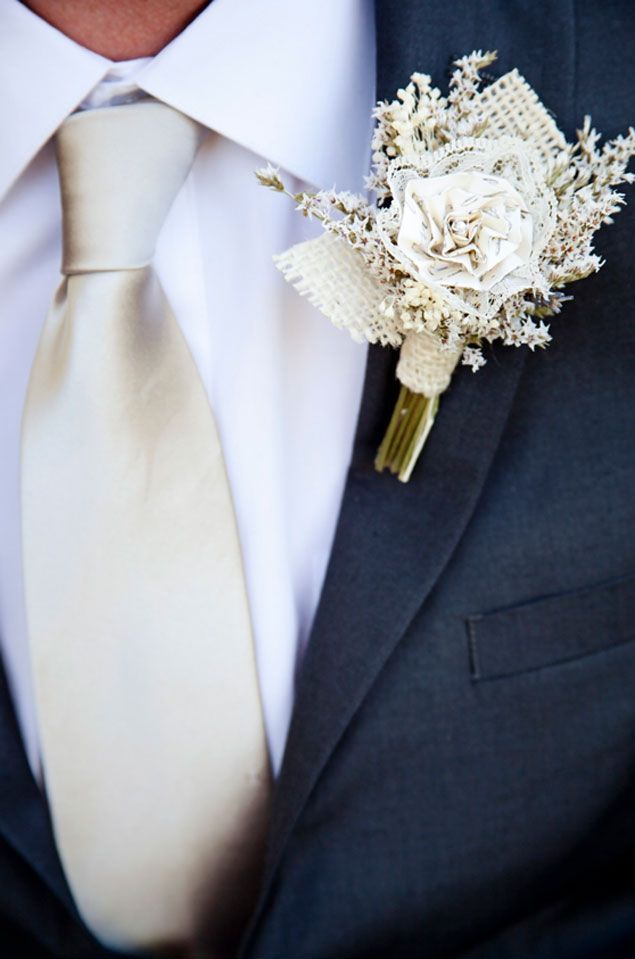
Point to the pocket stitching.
(552, 663)
(477, 641)
(475, 666)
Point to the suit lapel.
(393, 540)
(24, 817)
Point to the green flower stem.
(424, 425)
(407, 432)
(412, 419)
(396, 423)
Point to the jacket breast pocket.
(551, 630)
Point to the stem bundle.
(407, 432)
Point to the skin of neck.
(119, 29)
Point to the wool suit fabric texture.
(459, 779)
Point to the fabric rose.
(465, 230)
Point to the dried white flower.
(269, 176)
(473, 357)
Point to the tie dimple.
(120, 169)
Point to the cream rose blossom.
(465, 230)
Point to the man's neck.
(119, 30)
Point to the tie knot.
(120, 169)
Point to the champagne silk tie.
(152, 736)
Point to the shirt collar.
(43, 77)
(293, 82)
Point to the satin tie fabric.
(154, 753)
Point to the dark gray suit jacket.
(459, 780)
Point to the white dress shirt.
(283, 81)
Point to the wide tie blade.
(153, 745)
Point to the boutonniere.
(483, 216)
